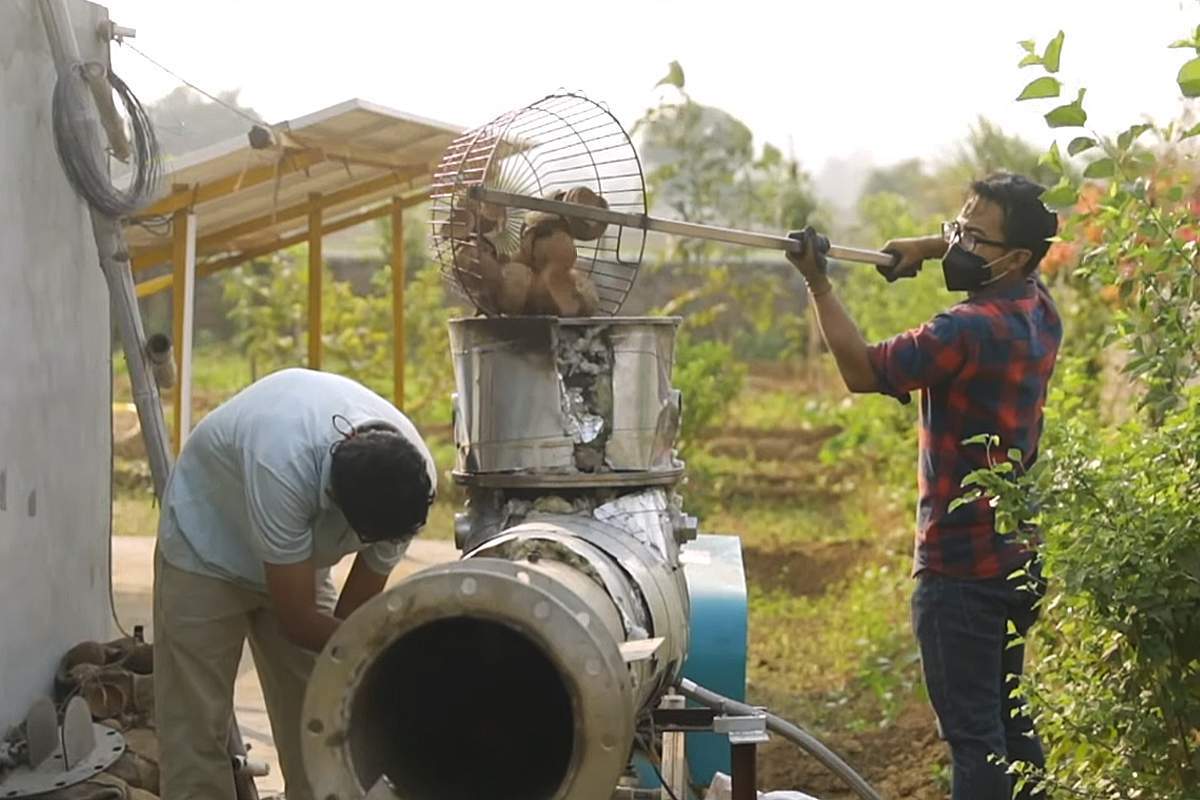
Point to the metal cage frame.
(561, 141)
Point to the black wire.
(194, 87)
(112, 486)
(652, 757)
(78, 147)
(159, 225)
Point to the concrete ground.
(133, 580)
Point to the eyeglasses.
(952, 232)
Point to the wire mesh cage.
(564, 147)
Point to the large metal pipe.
(517, 673)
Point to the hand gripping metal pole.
(114, 263)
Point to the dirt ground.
(899, 761)
(902, 758)
(803, 571)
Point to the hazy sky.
(832, 79)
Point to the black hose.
(77, 140)
(793, 733)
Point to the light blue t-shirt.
(251, 485)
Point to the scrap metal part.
(61, 756)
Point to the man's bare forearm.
(313, 633)
(292, 589)
(843, 339)
(363, 584)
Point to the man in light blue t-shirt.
(271, 489)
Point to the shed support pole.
(316, 269)
(398, 279)
(183, 291)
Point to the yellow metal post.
(398, 277)
(183, 286)
(315, 274)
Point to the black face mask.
(966, 272)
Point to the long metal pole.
(675, 227)
(183, 304)
(316, 274)
(113, 254)
(114, 263)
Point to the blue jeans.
(970, 671)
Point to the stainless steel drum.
(584, 400)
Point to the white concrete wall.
(55, 412)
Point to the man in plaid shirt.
(982, 367)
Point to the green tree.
(703, 165)
(937, 189)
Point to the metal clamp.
(750, 729)
(745, 732)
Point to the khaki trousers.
(200, 627)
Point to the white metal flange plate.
(25, 782)
(483, 588)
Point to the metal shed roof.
(347, 161)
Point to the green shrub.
(1117, 690)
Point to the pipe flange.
(661, 583)
(607, 572)
(489, 589)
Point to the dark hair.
(1028, 224)
(381, 483)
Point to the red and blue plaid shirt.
(982, 367)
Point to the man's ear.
(1024, 260)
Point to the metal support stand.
(745, 732)
(745, 771)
